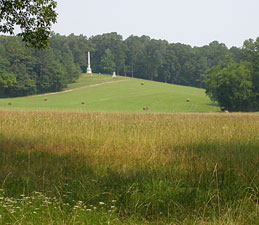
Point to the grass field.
(98, 168)
(109, 162)
(103, 94)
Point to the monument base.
(89, 71)
(114, 75)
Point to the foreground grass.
(101, 93)
(78, 168)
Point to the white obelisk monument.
(89, 71)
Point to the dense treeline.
(25, 71)
(147, 58)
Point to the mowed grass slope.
(101, 93)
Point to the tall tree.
(34, 17)
(230, 84)
(154, 56)
(134, 49)
(107, 62)
(250, 53)
(50, 72)
(101, 43)
(7, 81)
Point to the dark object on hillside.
(142, 83)
(83, 102)
(45, 99)
(188, 100)
(145, 108)
(9, 103)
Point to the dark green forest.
(221, 71)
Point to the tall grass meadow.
(108, 168)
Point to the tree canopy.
(26, 71)
(234, 83)
(231, 86)
(33, 17)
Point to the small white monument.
(89, 71)
(114, 75)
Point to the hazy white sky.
(194, 22)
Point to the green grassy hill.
(101, 93)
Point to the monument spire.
(89, 71)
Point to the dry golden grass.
(127, 139)
(201, 152)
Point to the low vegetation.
(99, 168)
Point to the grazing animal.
(142, 83)
(9, 103)
(188, 100)
(45, 99)
(83, 102)
(145, 108)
